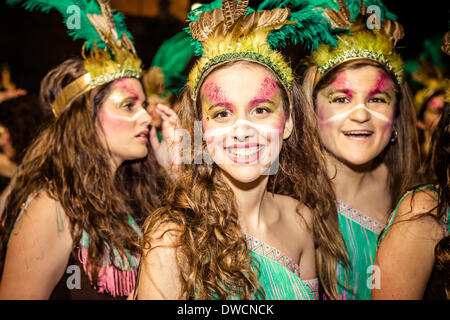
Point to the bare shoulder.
(45, 216)
(166, 234)
(414, 216)
(161, 273)
(38, 250)
(417, 203)
(289, 204)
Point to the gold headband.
(84, 84)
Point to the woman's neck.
(356, 182)
(249, 198)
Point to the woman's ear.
(288, 127)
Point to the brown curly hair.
(69, 161)
(440, 159)
(215, 260)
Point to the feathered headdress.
(111, 53)
(165, 76)
(355, 34)
(427, 71)
(230, 30)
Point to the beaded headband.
(360, 42)
(229, 30)
(229, 33)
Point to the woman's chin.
(247, 174)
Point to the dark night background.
(32, 43)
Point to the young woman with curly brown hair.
(196, 245)
(83, 187)
(252, 214)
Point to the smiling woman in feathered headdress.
(244, 218)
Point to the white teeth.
(358, 132)
(244, 152)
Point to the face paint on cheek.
(280, 125)
(209, 139)
(113, 123)
(343, 115)
(436, 102)
(220, 132)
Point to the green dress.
(360, 235)
(279, 275)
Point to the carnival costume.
(108, 54)
(228, 30)
(352, 34)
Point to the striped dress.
(279, 275)
(360, 235)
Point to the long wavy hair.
(401, 156)
(440, 158)
(437, 162)
(214, 256)
(69, 161)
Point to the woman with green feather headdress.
(365, 121)
(244, 219)
(426, 75)
(71, 224)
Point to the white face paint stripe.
(343, 115)
(223, 131)
(130, 119)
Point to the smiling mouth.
(358, 134)
(244, 155)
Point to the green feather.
(172, 57)
(432, 51)
(311, 29)
(86, 31)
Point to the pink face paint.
(267, 90)
(436, 102)
(125, 85)
(214, 93)
(113, 123)
(341, 84)
(382, 84)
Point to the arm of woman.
(38, 251)
(406, 254)
(160, 276)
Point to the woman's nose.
(243, 129)
(360, 113)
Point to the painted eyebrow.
(225, 105)
(256, 102)
(377, 91)
(346, 91)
